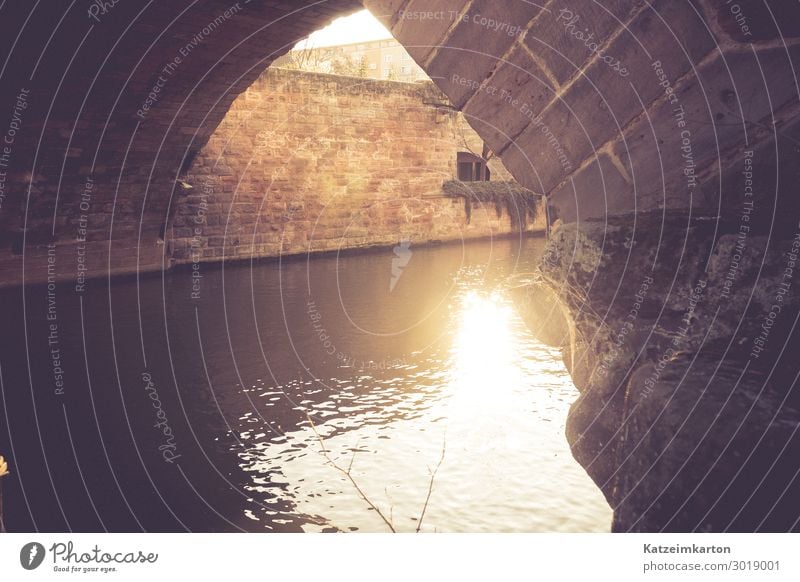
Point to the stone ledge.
(523, 205)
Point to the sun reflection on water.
(483, 350)
(484, 396)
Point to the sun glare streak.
(361, 26)
(483, 349)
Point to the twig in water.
(430, 485)
(391, 505)
(347, 473)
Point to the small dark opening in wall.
(472, 168)
(466, 171)
(162, 231)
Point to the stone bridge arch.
(569, 94)
(664, 134)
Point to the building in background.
(377, 59)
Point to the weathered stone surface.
(461, 72)
(669, 353)
(491, 27)
(612, 193)
(754, 20)
(712, 112)
(542, 153)
(709, 446)
(422, 25)
(476, 46)
(561, 32)
(516, 93)
(606, 97)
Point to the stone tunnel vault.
(666, 144)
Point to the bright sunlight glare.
(359, 27)
(483, 347)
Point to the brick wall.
(121, 99)
(308, 162)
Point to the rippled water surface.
(277, 378)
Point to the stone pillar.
(664, 135)
(687, 417)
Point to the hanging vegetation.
(520, 203)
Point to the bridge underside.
(664, 135)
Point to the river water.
(336, 393)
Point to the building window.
(387, 72)
(471, 168)
(373, 66)
(387, 58)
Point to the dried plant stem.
(348, 473)
(430, 485)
